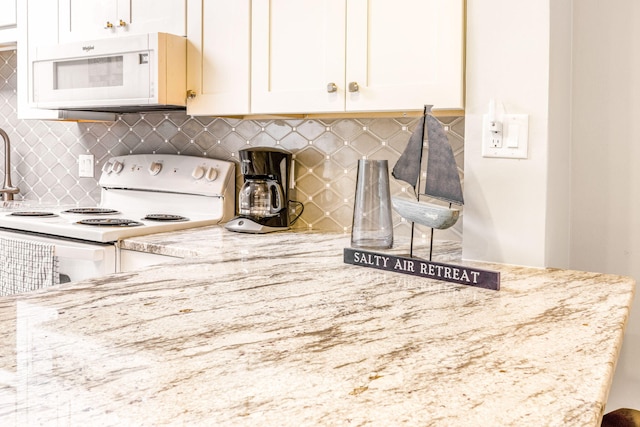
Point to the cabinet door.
(8, 15)
(86, 19)
(218, 57)
(8, 32)
(150, 16)
(297, 54)
(95, 19)
(404, 54)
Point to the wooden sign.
(419, 267)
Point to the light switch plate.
(85, 166)
(515, 137)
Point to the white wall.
(574, 67)
(605, 218)
(606, 129)
(559, 184)
(507, 216)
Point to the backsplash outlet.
(45, 154)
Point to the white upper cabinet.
(356, 55)
(298, 56)
(8, 15)
(8, 33)
(218, 55)
(404, 54)
(95, 19)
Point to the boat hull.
(427, 214)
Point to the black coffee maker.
(263, 202)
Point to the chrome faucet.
(7, 190)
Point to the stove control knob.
(117, 167)
(155, 168)
(198, 172)
(212, 174)
(107, 167)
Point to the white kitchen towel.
(26, 266)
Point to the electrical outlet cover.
(515, 137)
(85, 166)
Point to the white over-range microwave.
(132, 73)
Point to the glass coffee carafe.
(264, 201)
(261, 198)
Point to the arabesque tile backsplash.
(44, 154)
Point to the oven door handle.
(86, 254)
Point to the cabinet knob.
(353, 87)
(122, 23)
(108, 25)
(331, 88)
(191, 94)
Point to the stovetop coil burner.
(92, 211)
(165, 217)
(110, 222)
(32, 214)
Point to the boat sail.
(442, 179)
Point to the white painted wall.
(574, 67)
(559, 145)
(605, 215)
(606, 133)
(507, 216)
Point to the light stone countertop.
(218, 244)
(277, 330)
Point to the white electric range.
(141, 194)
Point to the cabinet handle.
(122, 23)
(353, 87)
(109, 25)
(331, 88)
(191, 94)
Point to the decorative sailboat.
(442, 183)
(442, 179)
